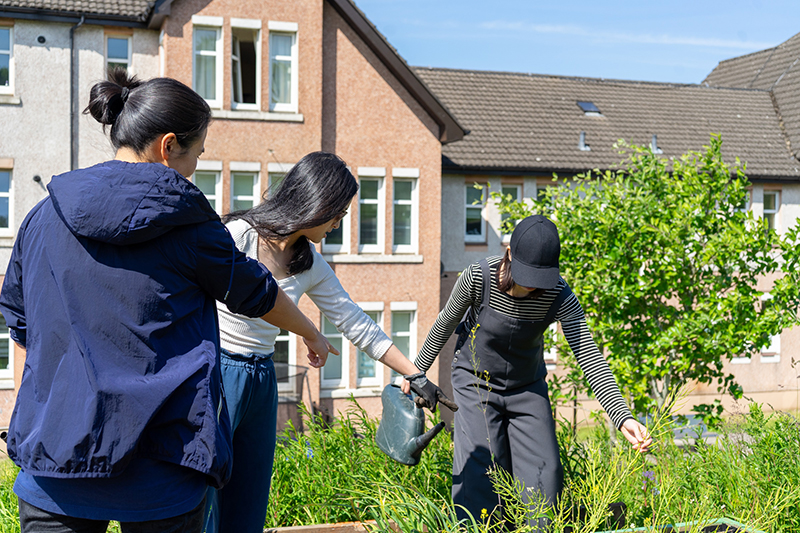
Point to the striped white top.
(467, 292)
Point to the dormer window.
(589, 109)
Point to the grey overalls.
(507, 416)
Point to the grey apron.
(505, 416)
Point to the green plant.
(666, 264)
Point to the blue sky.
(671, 40)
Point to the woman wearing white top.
(310, 202)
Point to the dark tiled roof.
(776, 69)
(532, 123)
(133, 9)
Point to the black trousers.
(35, 520)
(511, 429)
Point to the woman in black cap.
(498, 369)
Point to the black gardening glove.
(428, 393)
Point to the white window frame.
(377, 381)
(343, 382)
(10, 88)
(292, 339)
(7, 374)
(378, 174)
(771, 353)
(407, 175)
(343, 248)
(284, 28)
(215, 24)
(252, 168)
(9, 231)
(412, 342)
(775, 212)
(212, 167)
(551, 352)
(484, 193)
(247, 24)
(129, 60)
(506, 237)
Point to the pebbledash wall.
(341, 96)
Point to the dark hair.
(504, 279)
(314, 191)
(139, 111)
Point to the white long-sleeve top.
(240, 334)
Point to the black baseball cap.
(535, 248)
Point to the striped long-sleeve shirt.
(467, 292)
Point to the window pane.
(117, 48)
(402, 344)
(335, 236)
(512, 191)
(241, 205)
(281, 82)
(206, 182)
(474, 195)
(333, 367)
(369, 224)
(402, 224)
(205, 40)
(282, 348)
(5, 181)
(366, 366)
(770, 218)
(369, 189)
(4, 212)
(474, 221)
(401, 322)
(769, 201)
(243, 184)
(205, 77)
(5, 60)
(280, 44)
(5, 39)
(402, 190)
(275, 180)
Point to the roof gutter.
(449, 129)
(69, 17)
(73, 91)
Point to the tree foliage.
(668, 265)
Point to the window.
(338, 241)
(370, 210)
(772, 352)
(404, 210)
(334, 373)
(772, 204)
(404, 328)
(5, 202)
(284, 358)
(6, 355)
(475, 228)
(207, 65)
(283, 67)
(245, 185)
(207, 178)
(515, 192)
(745, 205)
(6, 60)
(369, 371)
(245, 63)
(118, 52)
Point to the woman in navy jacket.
(111, 290)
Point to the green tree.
(667, 264)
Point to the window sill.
(371, 258)
(345, 393)
(9, 99)
(6, 383)
(237, 114)
(740, 360)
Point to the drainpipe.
(73, 124)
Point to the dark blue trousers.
(251, 394)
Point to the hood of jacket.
(127, 203)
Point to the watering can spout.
(423, 440)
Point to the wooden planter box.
(341, 527)
(721, 525)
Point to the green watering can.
(401, 434)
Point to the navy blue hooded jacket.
(111, 288)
